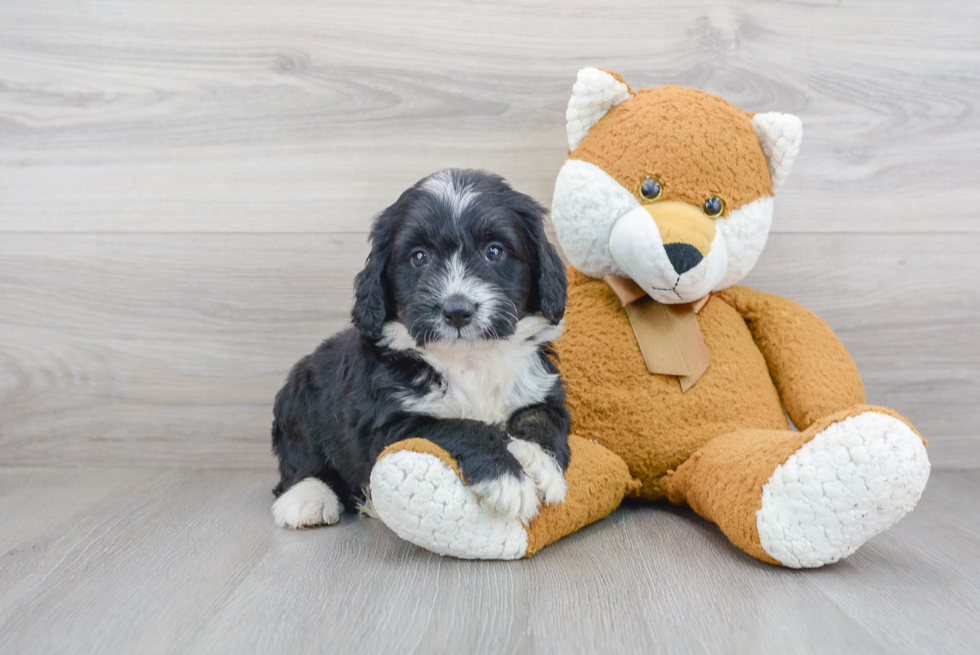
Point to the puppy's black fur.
(344, 403)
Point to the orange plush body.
(646, 418)
(668, 193)
(735, 407)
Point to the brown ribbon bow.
(668, 335)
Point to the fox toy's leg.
(417, 491)
(805, 499)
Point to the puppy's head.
(460, 256)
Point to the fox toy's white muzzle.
(638, 248)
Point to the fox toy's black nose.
(458, 313)
(683, 257)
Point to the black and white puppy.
(453, 317)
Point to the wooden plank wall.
(185, 188)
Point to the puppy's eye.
(420, 258)
(494, 252)
(713, 207)
(650, 190)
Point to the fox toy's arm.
(813, 372)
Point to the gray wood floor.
(125, 560)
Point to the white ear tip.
(594, 93)
(780, 135)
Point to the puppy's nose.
(458, 312)
(683, 257)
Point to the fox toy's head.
(670, 186)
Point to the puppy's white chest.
(484, 381)
(480, 389)
(485, 385)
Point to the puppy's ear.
(371, 301)
(552, 285)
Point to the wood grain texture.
(185, 188)
(236, 116)
(163, 561)
(168, 349)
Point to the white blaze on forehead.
(456, 282)
(448, 188)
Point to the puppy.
(453, 317)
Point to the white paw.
(549, 480)
(307, 503)
(512, 498)
(850, 482)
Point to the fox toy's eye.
(713, 207)
(494, 252)
(420, 258)
(650, 190)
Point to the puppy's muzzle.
(458, 312)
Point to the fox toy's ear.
(780, 135)
(595, 92)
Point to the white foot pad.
(424, 502)
(851, 481)
(307, 503)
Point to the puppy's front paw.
(509, 495)
(548, 478)
(307, 503)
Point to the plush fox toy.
(679, 383)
